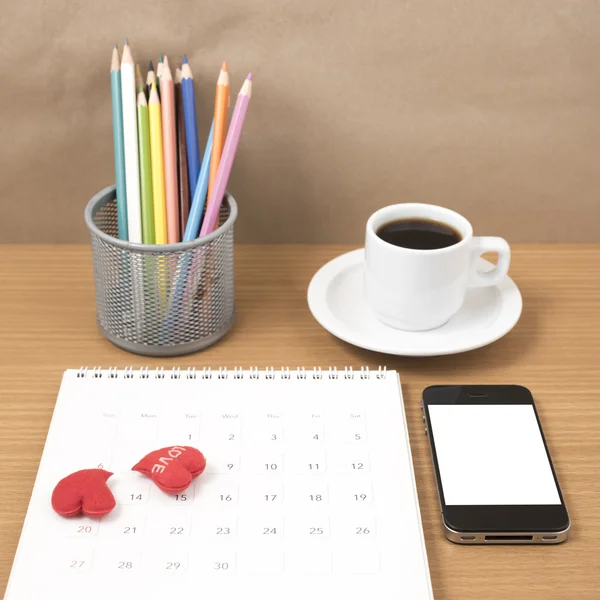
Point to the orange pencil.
(221, 107)
(167, 97)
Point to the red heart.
(172, 468)
(83, 492)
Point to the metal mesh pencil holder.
(161, 300)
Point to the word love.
(172, 469)
(163, 461)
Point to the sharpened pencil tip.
(114, 63)
(160, 58)
(126, 42)
(150, 66)
(153, 96)
(185, 60)
(224, 66)
(138, 76)
(117, 46)
(249, 77)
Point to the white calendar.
(308, 492)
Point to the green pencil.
(145, 168)
(119, 147)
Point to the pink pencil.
(231, 143)
(167, 95)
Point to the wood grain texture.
(47, 324)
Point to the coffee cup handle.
(481, 245)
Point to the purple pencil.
(229, 149)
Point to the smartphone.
(494, 475)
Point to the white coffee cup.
(417, 290)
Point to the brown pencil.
(182, 167)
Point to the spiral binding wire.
(270, 373)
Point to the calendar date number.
(84, 529)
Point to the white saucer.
(336, 300)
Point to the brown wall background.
(491, 108)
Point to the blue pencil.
(191, 128)
(197, 210)
(119, 145)
(186, 262)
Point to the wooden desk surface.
(47, 324)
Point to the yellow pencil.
(158, 174)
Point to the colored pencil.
(139, 82)
(229, 150)
(150, 77)
(220, 120)
(182, 179)
(197, 208)
(159, 67)
(145, 168)
(132, 178)
(167, 100)
(191, 129)
(119, 148)
(158, 177)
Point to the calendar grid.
(308, 487)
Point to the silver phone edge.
(537, 537)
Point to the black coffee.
(419, 234)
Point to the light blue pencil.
(191, 128)
(119, 147)
(189, 267)
(197, 210)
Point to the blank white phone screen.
(491, 454)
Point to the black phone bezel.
(492, 518)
